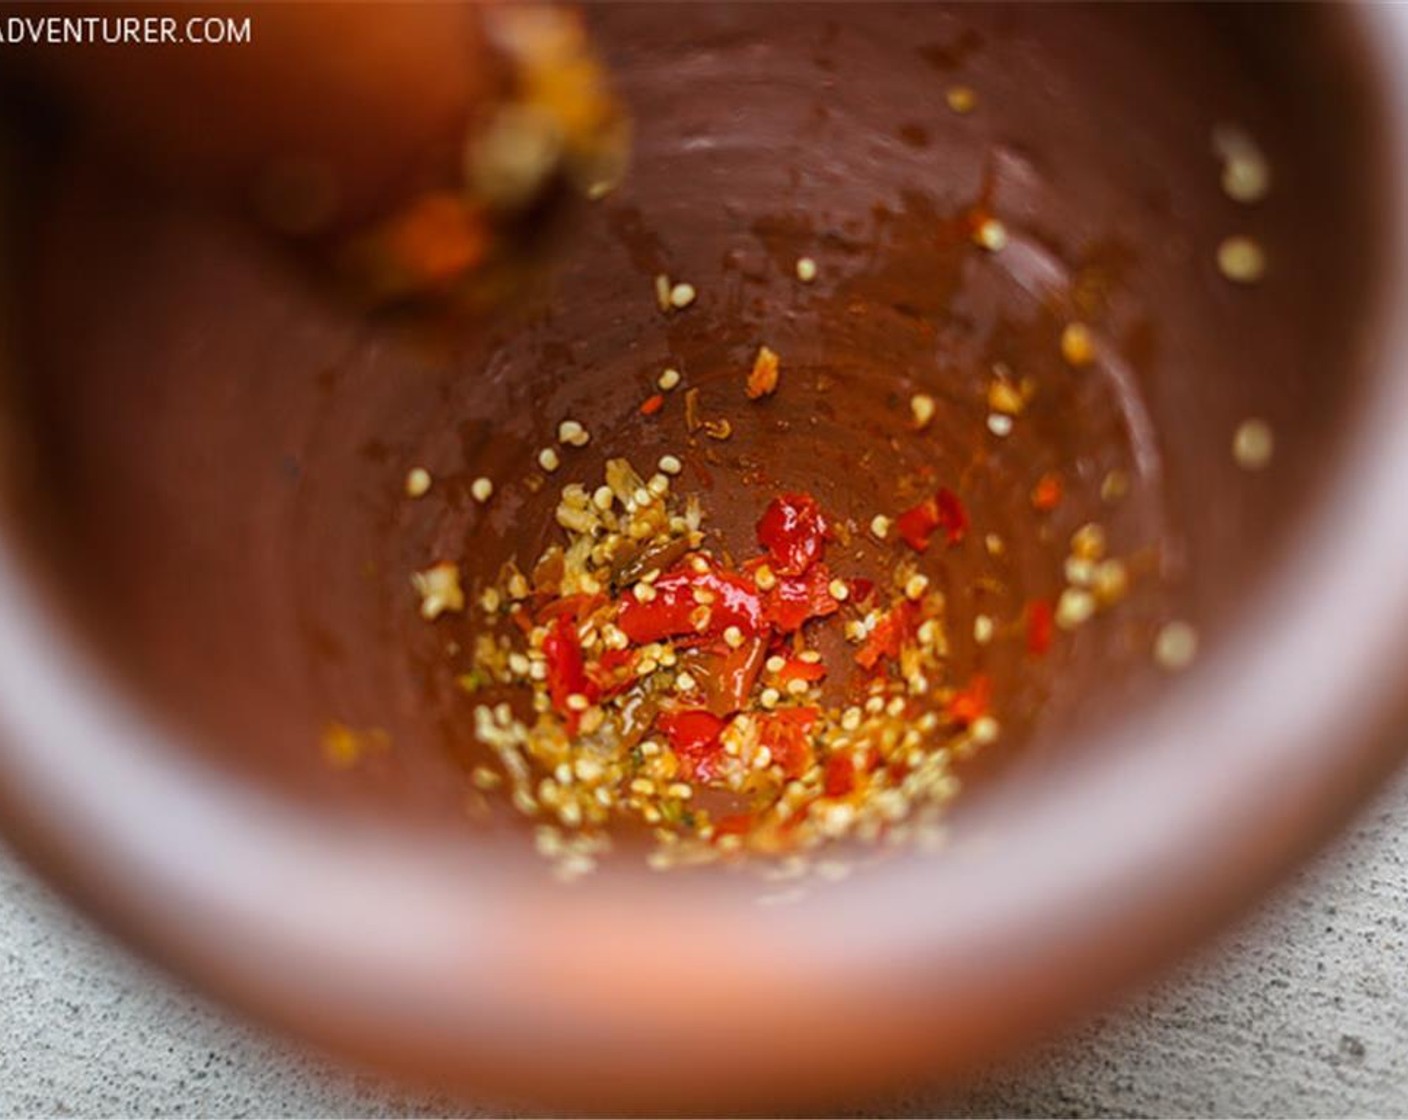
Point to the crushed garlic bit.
(439, 589)
(481, 489)
(418, 482)
(922, 408)
(806, 270)
(669, 379)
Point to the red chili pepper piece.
(651, 405)
(862, 589)
(575, 606)
(1040, 627)
(567, 673)
(733, 824)
(944, 511)
(613, 672)
(799, 670)
(737, 674)
(673, 611)
(971, 703)
(793, 531)
(953, 517)
(889, 636)
(694, 737)
(1046, 494)
(787, 735)
(796, 599)
(917, 524)
(839, 776)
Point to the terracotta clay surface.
(222, 455)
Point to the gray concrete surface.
(1303, 1012)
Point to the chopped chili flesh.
(970, 703)
(694, 737)
(699, 694)
(794, 532)
(1041, 624)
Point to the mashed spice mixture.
(636, 675)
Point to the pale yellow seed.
(670, 464)
(1000, 424)
(684, 683)
(982, 629)
(669, 379)
(733, 636)
(961, 99)
(418, 483)
(572, 433)
(769, 697)
(1074, 608)
(1253, 445)
(1088, 542)
(915, 586)
(577, 702)
(1114, 486)
(922, 407)
(1110, 582)
(1246, 177)
(1080, 572)
(548, 460)
(765, 579)
(880, 526)
(806, 270)
(603, 497)
(681, 296)
(1175, 646)
(482, 489)
(985, 730)
(1077, 344)
(839, 591)
(991, 235)
(796, 686)
(1004, 397)
(1241, 260)
(850, 719)
(776, 663)
(485, 778)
